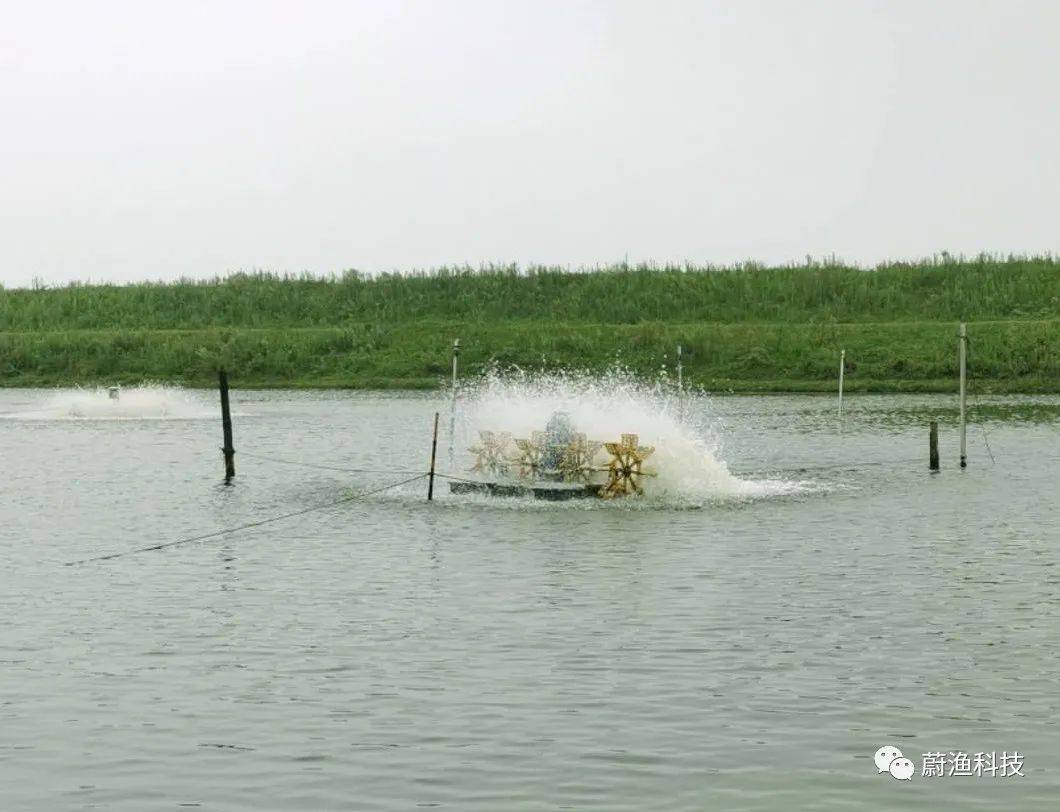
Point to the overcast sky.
(148, 140)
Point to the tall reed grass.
(1005, 356)
(939, 289)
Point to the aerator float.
(557, 463)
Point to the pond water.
(729, 646)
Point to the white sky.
(147, 140)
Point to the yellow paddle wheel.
(558, 463)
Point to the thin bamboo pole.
(963, 351)
(842, 369)
(452, 405)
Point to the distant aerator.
(557, 463)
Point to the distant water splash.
(143, 402)
(686, 461)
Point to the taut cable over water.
(248, 526)
(322, 467)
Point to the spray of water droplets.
(147, 401)
(687, 461)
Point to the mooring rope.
(458, 478)
(982, 428)
(259, 523)
(834, 466)
(322, 467)
(978, 404)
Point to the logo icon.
(889, 759)
(902, 769)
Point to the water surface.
(739, 653)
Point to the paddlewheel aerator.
(558, 463)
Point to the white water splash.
(686, 460)
(144, 402)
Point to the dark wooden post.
(434, 453)
(226, 425)
(933, 446)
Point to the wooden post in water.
(452, 403)
(963, 347)
(434, 452)
(226, 426)
(933, 446)
(842, 368)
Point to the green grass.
(746, 329)
(1005, 356)
(936, 290)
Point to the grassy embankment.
(746, 329)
